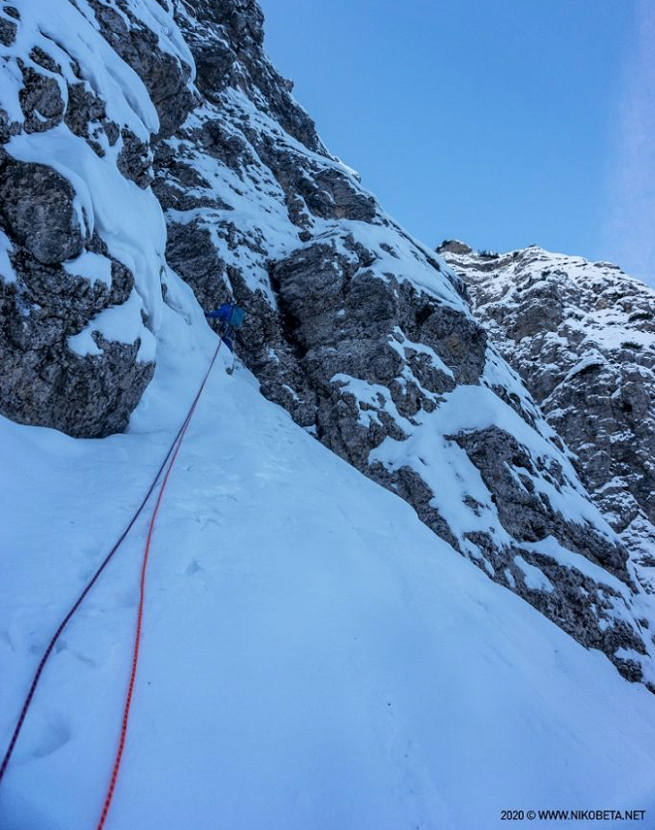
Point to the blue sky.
(500, 122)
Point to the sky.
(503, 123)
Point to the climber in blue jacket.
(231, 316)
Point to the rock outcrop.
(78, 292)
(582, 336)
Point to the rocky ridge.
(582, 336)
(362, 333)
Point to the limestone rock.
(37, 206)
(582, 337)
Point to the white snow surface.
(313, 656)
(6, 269)
(91, 266)
(121, 324)
(535, 579)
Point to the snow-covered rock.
(582, 336)
(82, 237)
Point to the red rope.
(174, 447)
(139, 618)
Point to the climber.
(231, 317)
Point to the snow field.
(313, 656)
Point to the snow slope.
(313, 655)
(355, 328)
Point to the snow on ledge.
(118, 324)
(535, 579)
(91, 267)
(551, 547)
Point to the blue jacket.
(228, 313)
(223, 313)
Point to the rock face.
(364, 335)
(37, 208)
(582, 336)
(76, 125)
